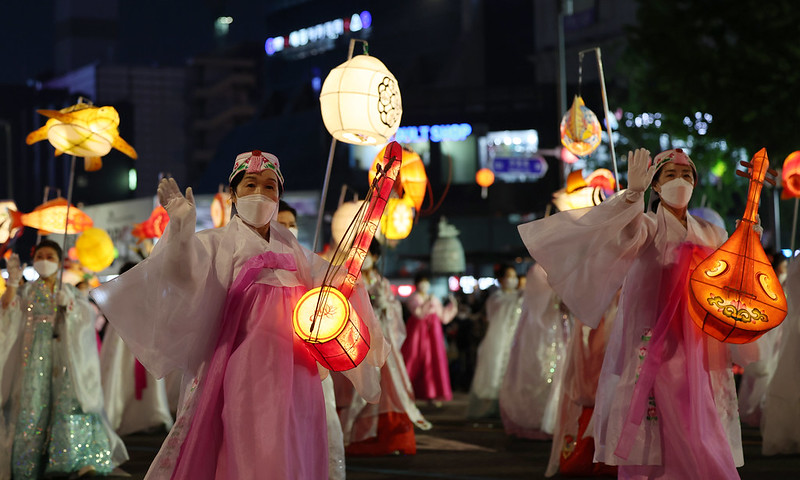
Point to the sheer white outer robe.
(503, 311)
(80, 348)
(780, 421)
(126, 413)
(169, 307)
(588, 255)
(531, 388)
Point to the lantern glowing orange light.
(791, 176)
(484, 177)
(51, 217)
(398, 219)
(580, 129)
(735, 295)
(412, 179)
(83, 130)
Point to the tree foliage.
(736, 60)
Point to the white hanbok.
(683, 421)
(503, 311)
(135, 400)
(780, 422)
(531, 389)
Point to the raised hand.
(639, 175)
(171, 198)
(14, 270)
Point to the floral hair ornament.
(257, 161)
(676, 156)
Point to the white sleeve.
(587, 253)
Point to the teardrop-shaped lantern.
(580, 129)
(360, 102)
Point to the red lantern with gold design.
(412, 179)
(735, 294)
(791, 176)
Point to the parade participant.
(531, 388)
(135, 401)
(56, 410)
(287, 216)
(424, 348)
(503, 310)
(666, 399)
(218, 305)
(388, 426)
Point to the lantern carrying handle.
(596, 51)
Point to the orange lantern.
(221, 209)
(398, 218)
(791, 176)
(603, 178)
(153, 227)
(83, 130)
(412, 179)
(51, 217)
(484, 177)
(580, 129)
(735, 294)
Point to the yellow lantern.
(95, 249)
(2, 285)
(83, 130)
(412, 178)
(398, 218)
(580, 129)
(360, 102)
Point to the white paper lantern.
(360, 102)
(447, 254)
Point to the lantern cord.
(605, 109)
(432, 209)
(794, 224)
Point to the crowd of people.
(591, 346)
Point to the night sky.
(151, 32)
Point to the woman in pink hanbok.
(424, 349)
(666, 399)
(218, 305)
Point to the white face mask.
(45, 268)
(782, 277)
(256, 210)
(676, 193)
(294, 231)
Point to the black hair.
(420, 276)
(45, 243)
(502, 268)
(285, 207)
(375, 248)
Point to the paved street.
(459, 449)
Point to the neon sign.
(330, 30)
(455, 132)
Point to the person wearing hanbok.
(287, 216)
(388, 426)
(503, 312)
(424, 349)
(53, 404)
(780, 420)
(135, 400)
(531, 387)
(217, 305)
(666, 400)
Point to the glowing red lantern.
(580, 129)
(791, 176)
(735, 294)
(333, 332)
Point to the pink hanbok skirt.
(426, 358)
